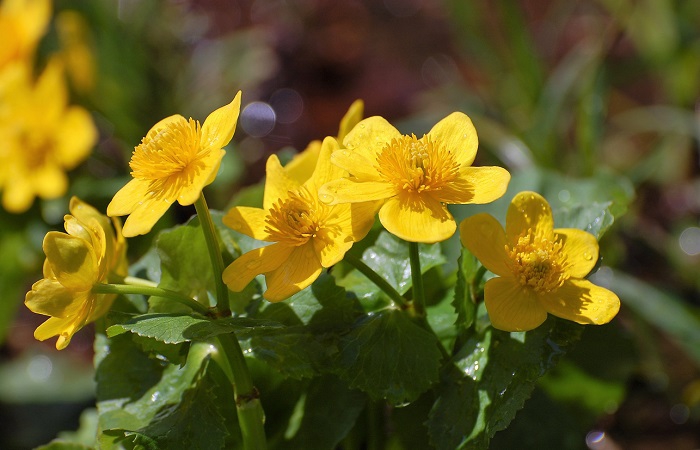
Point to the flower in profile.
(22, 24)
(302, 165)
(306, 234)
(415, 178)
(175, 161)
(42, 135)
(91, 252)
(540, 269)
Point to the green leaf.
(389, 356)
(176, 328)
(494, 374)
(60, 444)
(186, 243)
(324, 414)
(464, 297)
(390, 259)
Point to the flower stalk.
(375, 278)
(417, 279)
(217, 261)
(143, 289)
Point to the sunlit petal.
(458, 135)
(476, 185)
(299, 271)
(278, 183)
(529, 210)
(417, 219)
(582, 301)
(72, 260)
(370, 136)
(247, 220)
(356, 165)
(581, 250)
(128, 198)
(484, 236)
(347, 190)
(511, 307)
(219, 126)
(351, 118)
(145, 216)
(260, 260)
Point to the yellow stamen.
(416, 165)
(297, 218)
(538, 262)
(170, 156)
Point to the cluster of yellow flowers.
(325, 200)
(42, 135)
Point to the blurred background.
(586, 89)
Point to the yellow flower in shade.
(22, 24)
(302, 165)
(175, 161)
(306, 234)
(540, 269)
(90, 253)
(414, 177)
(42, 136)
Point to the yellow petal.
(582, 301)
(198, 175)
(351, 118)
(362, 218)
(529, 210)
(247, 220)
(510, 307)
(76, 137)
(164, 122)
(101, 304)
(477, 185)
(331, 247)
(458, 135)
(260, 260)
(64, 328)
(302, 165)
(347, 190)
(300, 270)
(325, 171)
(51, 298)
(356, 165)
(84, 212)
(72, 260)
(144, 217)
(220, 125)
(370, 136)
(51, 90)
(128, 198)
(50, 181)
(278, 184)
(17, 196)
(417, 219)
(484, 236)
(581, 250)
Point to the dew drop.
(587, 256)
(326, 198)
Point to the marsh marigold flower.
(306, 234)
(175, 161)
(540, 269)
(302, 165)
(42, 136)
(415, 178)
(90, 253)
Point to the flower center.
(297, 218)
(38, 149)
(538, 262)
(416, 165)
(169, 156)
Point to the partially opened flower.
(415, 178)
(90, 253)
(302, 165)
(174, 162)
(42, 136)
(540, 269)
(306, 234)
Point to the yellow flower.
(414, 177)
(22, 24)
(541, 269)
(302, 165)
(76, 49)
(42, 135)
(175, 160)
(306, 234)
(88, 254)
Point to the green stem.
(374, 277)
(250, 413)
(417, 278)
(474, 284)
(217, 260)
(151, 291)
